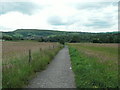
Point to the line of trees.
(78, 38)
(71, 38)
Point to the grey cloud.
(93, 5)
(57, 21)
(99, 24)
(24, 7)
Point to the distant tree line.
(62, 37)
(89, 38)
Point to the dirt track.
(57, 75)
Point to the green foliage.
(75, 39)
(7, 37)
(62, 41)
(96, 40)
(56, 36)
(91, 74)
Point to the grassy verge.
(90, 73)
(19, 70)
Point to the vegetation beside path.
(95, 65)
(17, 69)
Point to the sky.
(63, 15)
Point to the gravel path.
(57, 75)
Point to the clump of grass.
(89, 73)
(20, 70)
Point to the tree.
(75, 39)
(62, 41)
(96, 40)
(7, 37)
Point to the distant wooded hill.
(61, 36)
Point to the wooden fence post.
(40, 49)
(30, 58)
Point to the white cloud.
(88, 17)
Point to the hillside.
(55, 36)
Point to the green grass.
(21, 71)
(89, 73)
(110, 50)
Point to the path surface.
(57, 75)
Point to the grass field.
(95, 65)
(17, 69)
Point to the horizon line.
(60, 30)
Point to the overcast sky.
(67, 15)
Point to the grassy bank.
(17, 70)
(95, 66)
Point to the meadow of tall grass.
(17, 69)
(95, 65)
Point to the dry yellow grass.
(104, 52)
(18, 49)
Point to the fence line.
(30, 57)
(40, 49)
